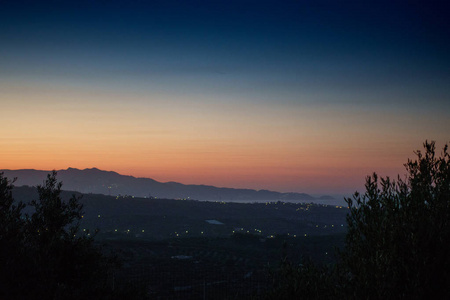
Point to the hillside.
(163, 218)
(111, 183)
(176, 247)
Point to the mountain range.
(98, 181)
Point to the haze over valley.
(111, 183)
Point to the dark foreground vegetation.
(393, 244)
(186, 249)
(397, 245)
(45, 255)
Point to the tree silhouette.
(11, 239)
(44, 255)
(398, 242)
(397, 245)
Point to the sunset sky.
(292, 96)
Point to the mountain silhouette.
(98, 181)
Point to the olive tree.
(12, 264)
(44, 255)
(398, 241)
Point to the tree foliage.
(44, 255)
(398, 240)
(398, 243)
(11, 237)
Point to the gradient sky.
(301, 96)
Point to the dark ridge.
(94, 180)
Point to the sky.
(291, 96)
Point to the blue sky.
(271, 87)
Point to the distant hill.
(131, 217)
(111, 183)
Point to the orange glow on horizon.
(282, 148)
